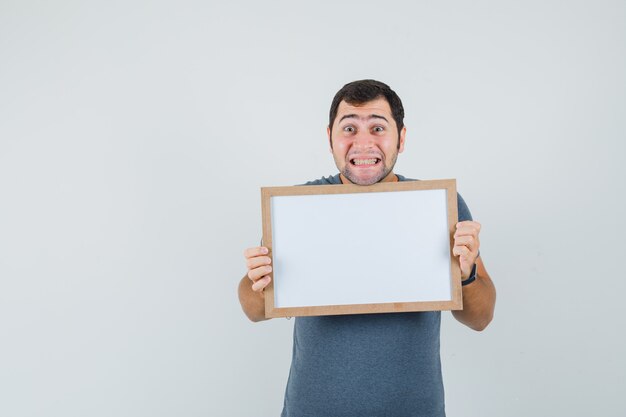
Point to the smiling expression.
(365, 142)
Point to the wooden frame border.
(456, 302)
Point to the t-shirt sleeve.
(464, 211)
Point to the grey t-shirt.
(367, 364)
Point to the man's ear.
(402, 136)
(330, 140)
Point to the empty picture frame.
(350, 249)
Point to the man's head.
(366, 131)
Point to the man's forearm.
(252, 303)
(479, 299)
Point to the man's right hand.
(258, 264)
(251, 286)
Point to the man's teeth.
(365, 161)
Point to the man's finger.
(471, 223)
(467, 228)
(257, 261)
(261, 284)
(466, 231)
(466, 257)
(257, 273)
(256, 251)
(464, 252)
(460, 250)
(470, 241)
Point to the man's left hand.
(466, 245)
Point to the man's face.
(365, 142)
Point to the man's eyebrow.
(371, 116)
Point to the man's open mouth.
(368, 161)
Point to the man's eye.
(379, 129)
(348, 129)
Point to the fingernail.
(264, 250)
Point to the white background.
(134, 138)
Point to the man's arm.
(479, 297)
(479, 300)
(251, 286)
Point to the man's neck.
(391, 177)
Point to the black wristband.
(471, 278)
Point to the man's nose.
(364, 139)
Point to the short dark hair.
(362, 91)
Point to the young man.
(371, 364)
